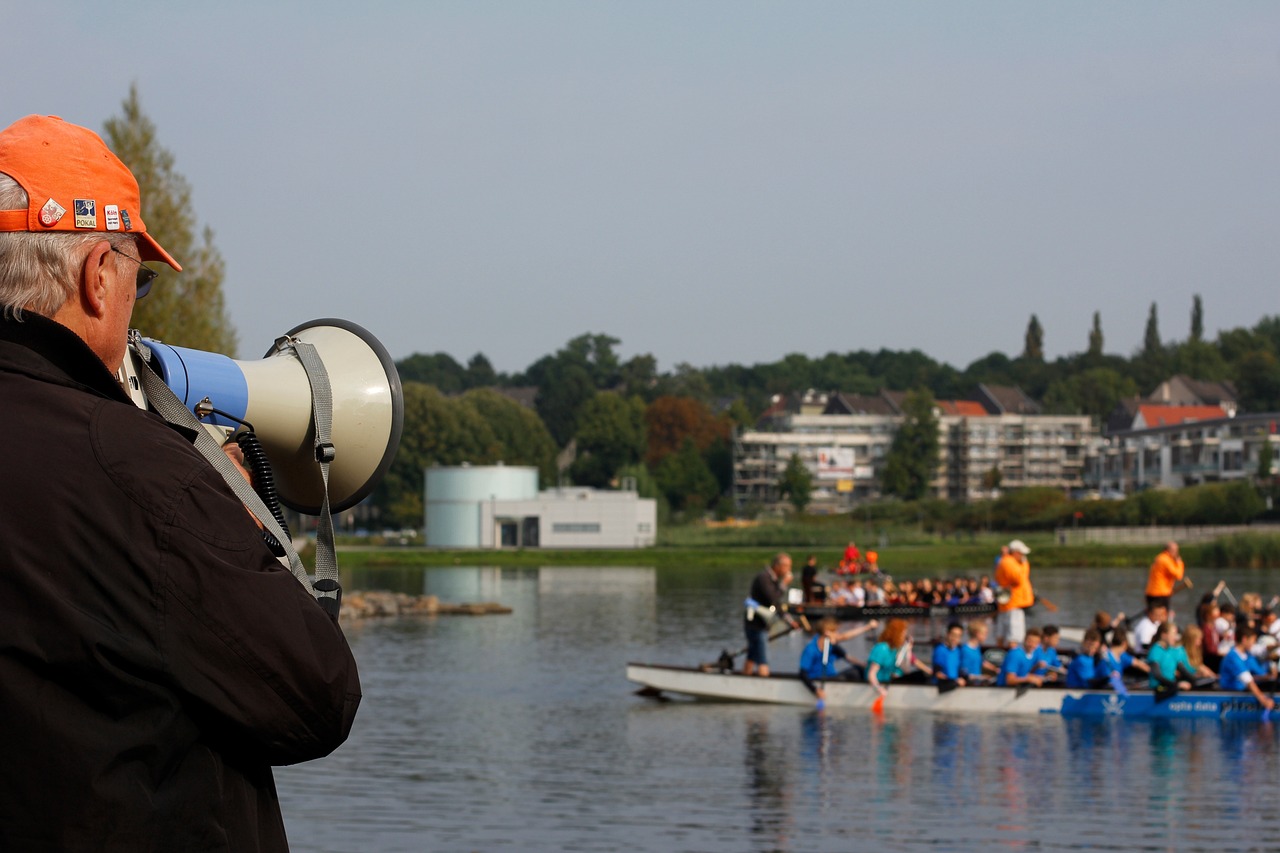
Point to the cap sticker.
(51, 213)
(124, 217)
(112, 214)
(86, 213)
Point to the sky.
(710, 182)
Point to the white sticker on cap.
(112, 214)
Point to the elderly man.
(155, 658)
(1166, 575)
(765, 606)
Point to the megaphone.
(272, 396)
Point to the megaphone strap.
(169, 407)
(322, 417)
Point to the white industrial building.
(500, 506)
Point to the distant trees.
(186, 308)
(1033, 348)
(796, 483)
(1095, 335)
(913, 455)
(686, 415)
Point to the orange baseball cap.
(73, 183)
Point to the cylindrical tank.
(454, 496)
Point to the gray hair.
(39, 271)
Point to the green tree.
(438, 369)
(686, 480)
(1197, 319)
(1091, 392)
(913, 455)
(611, 434)
(564, 389)
(521, 437)
(1151, 336)
(1034, 346)
(1257, 378)
(1264, 461)
(1095, 335)
(480, 372)
(186, 308)
(796, 483)
(437, 431)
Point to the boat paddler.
(1165, 575)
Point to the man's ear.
(93, 279)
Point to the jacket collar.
(55, 349)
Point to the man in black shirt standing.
(765, 606)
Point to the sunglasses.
(146, 275)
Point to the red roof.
(1155, 416)
(962, 408)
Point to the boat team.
(1230, 647)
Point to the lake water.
(520, 732)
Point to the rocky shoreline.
(360, 604)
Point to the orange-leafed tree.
(670, 421)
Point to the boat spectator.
(986, 593)
(891, 655)
(1084, 670)
(1247, 609)
(814, 591)
(871, 564)
(1167, 659)
(1046, 661)
(946, 659)
(1241, 670)
(973, 666)
(765, 605)
(1226, 627)
(1193, 642)
(1166, 575)
(852, 559)
(857, 593)
(1207, 631)
(818, 660)
(1013, 576)
(1268, 623)
(1106, 625)
(1016, 669)
(876, 595)
(1145, 630)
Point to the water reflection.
(519, 732)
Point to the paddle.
(725, 661)
(1048, 605)
(877, 707)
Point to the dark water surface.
(520, 732)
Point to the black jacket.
(155, 659)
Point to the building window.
(644, 527)
(575, 527)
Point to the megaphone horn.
(273, 395)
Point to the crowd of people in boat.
(1228, 646)
(866, 586)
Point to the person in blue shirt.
(946, 659)
(818, 660)
(1045, 662)
(1016, 669)
(1085, 669)
(973, 666)
(1239, 668)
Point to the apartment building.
(844, 440)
